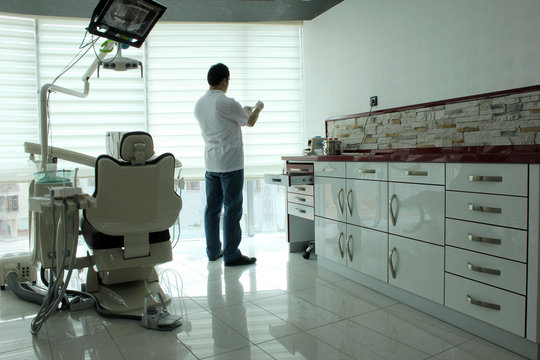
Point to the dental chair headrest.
(136, 147)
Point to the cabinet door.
(417, 211)
(367, 204)
(366, 251)
(417, 267)
(330, 239)
(330, 198)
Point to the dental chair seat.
(98, 241)
(128, 230)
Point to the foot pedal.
(159, 318)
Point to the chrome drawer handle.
(329, 170)
(485, 178)
(276, 180)
(485, 240)
(390, 263)
(483, 304)
(340, 203)
(483, 269)
(341, 252)
(349, 248)
(300, 188)
(301, 211)
(485, 209)
(300, 199)
(349, 206)
(299, 170)
(393, 216)
(416, 173)
(367, 171)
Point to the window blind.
(116, 101)
(265, 64)
(18, 103)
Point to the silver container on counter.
(332, 147)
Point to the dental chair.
(128, 230)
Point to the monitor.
(126, 21)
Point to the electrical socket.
(373, 101)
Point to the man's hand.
(259, 105)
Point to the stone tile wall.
(506, 120)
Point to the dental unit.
(125, 223)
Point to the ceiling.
(188, 10)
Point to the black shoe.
(242, 260)
(216, 257)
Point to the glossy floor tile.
(284, 307)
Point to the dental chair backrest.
(136, 201)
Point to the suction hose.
(22, 293)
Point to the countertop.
(472, 154)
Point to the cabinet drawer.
(421, 173)
(493, 240)
(367, 170)
(299, 168)
(276, 179)
(495, 306)
(302, 211)
(417, 267)
(507, 274)
(300, 199)
(503, 179)
(288, 180)
(330, 168)
(492, 209)
(301, 189)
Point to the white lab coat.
(220, 119)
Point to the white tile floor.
(284, 307)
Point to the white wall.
(416, 51)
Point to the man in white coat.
(220, 119)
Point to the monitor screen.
(125, 21)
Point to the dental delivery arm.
(56, 152)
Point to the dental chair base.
(126, 297)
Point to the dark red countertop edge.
(441, 102)
(472, 154)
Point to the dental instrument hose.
(58, 289)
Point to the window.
(18, 103)
(265, 64)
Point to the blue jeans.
(223, 189)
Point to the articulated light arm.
(46, 155)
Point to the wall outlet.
(373, 101)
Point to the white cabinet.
(486, 242)
(417, 267)
(462, 235)
(351, 216)
(366, 203)
(366, 251)
(330, 239)
(330, 195)
(417, 211)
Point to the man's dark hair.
(217, 73)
